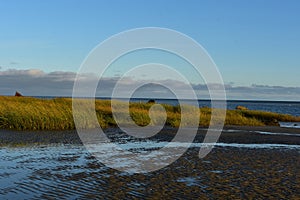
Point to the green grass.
(25, 113)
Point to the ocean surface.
(283, 107)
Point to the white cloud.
(35, 82)
(28, 72)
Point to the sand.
(231, 134)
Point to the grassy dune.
(56, 114)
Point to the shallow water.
(69, 171)
(290, 124)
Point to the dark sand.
(226, 173)
(241, 134)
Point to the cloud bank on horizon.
(35, 82)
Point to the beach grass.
(27, 113)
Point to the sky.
(254, 43)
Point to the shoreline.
(230, 134)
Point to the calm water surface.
(292, 108)
(284, 107)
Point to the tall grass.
(35, 114)
(25, 113)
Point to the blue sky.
(251, 41)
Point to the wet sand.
(230, 134)
(226, 173)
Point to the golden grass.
(26, 113)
